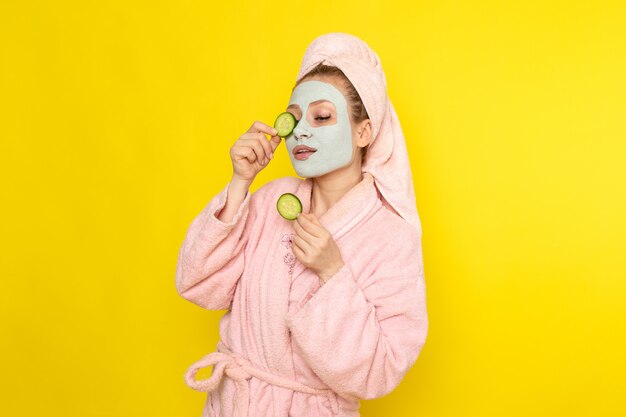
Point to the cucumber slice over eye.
(289, 206)
(285, 123)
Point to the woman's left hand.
(315, 247)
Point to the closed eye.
(322, 118)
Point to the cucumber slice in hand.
(289, 206)
(285, 123)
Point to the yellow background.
(116, 123)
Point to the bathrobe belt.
(240, 370)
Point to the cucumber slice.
(285, 123)
(289, 206)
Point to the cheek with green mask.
(333, 143)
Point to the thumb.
(274, 142)
(313, 218)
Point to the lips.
(303, 149)
(302, 152)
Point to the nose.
(301, 133)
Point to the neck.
(329, 188)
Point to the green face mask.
(333, 143)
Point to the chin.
(313, 171)
(306, 173)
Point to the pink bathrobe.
(290, 347)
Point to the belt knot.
(240, 371)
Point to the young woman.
(329, 308)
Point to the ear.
(365, 133)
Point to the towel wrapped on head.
(387, 158)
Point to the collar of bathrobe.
(349, 210)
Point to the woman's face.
(323, 125)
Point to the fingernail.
(274, 131)
(272, 155)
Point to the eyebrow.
(313, 102)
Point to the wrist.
(235, 179)
(326, 275)
(240, 185)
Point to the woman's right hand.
(252, 151)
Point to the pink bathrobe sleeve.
(362, 334)
(210, 260)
